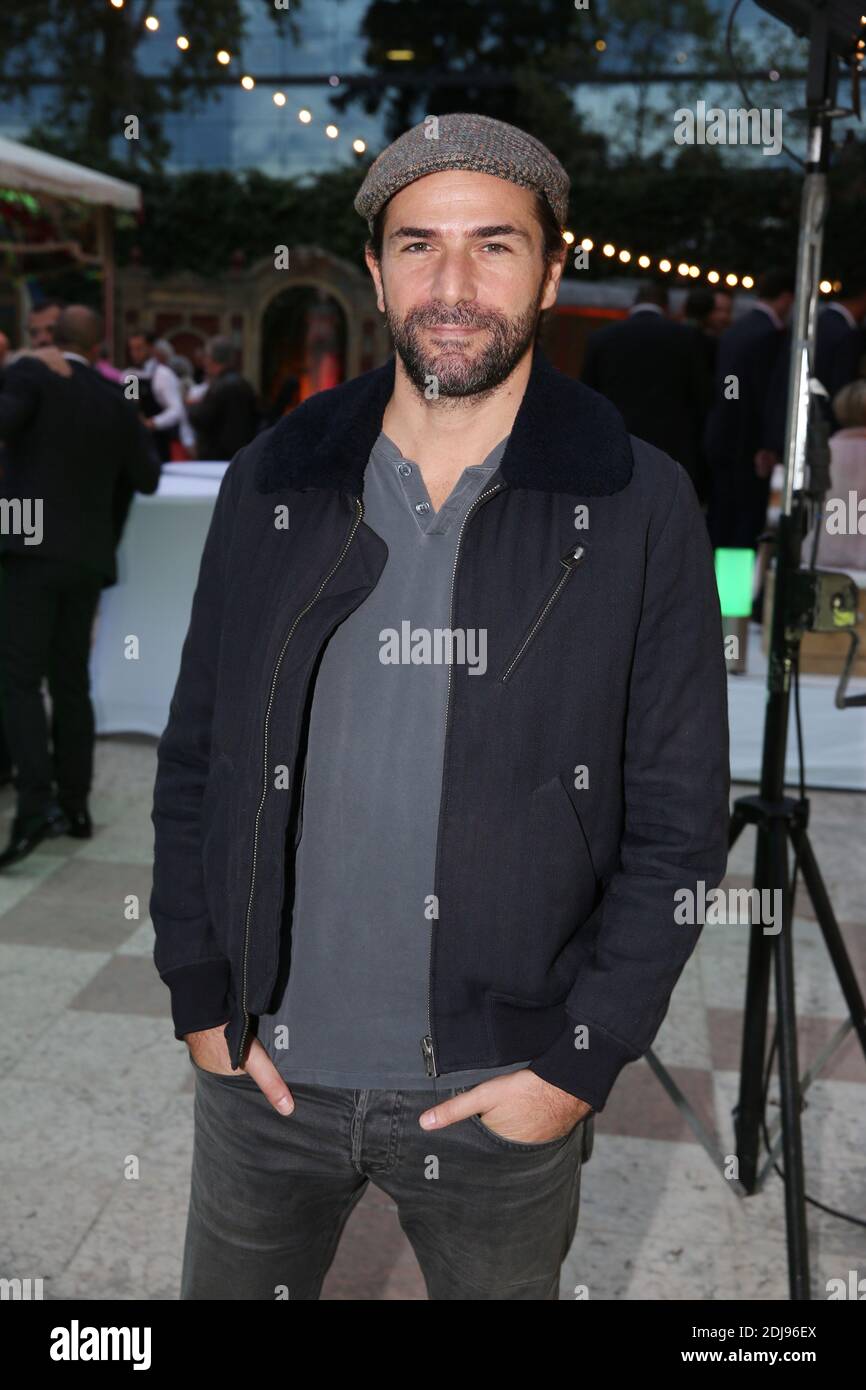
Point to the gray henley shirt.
(355, 1007)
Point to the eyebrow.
(480, 233)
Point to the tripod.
(803, 600)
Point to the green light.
(734, 570)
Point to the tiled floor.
(97, 1094)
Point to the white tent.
(37, 172)
(33, 171)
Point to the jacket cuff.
(588, 1073)
(199, 995)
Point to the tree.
(526, 45)
(534, 55)
(697, 209)
(92, 53)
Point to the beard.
(458, 370)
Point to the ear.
(553, 277)
(376, 274)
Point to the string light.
(224, 57)
(687, 270)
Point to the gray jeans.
(487, 1217)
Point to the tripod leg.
(830, 929)
(789, 1074)
(751, 1099)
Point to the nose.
(454, 278)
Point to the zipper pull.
(429, 1056)
(573, 556)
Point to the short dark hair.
(552, 243)
(653, 293)
(700, 303)
(146, 333)
(51, 303)
(771, 283)
(78, 326)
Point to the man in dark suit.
(653, 371)
(71, 442)
(839, 339)
(227, 417)
(746, 419)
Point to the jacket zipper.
(328, 577)
(571, 560)
(427, 1047)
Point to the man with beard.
(417, 913)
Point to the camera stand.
(804, 600)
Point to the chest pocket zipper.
(570, 561)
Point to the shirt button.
(404, 470)
(422, 506)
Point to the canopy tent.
(30, 171)
(37, 172)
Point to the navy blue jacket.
(556, 936)
(655, 372)
(755, 352)
(839, 350)
(75, 444)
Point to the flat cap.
(464, 140)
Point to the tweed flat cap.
(464, 140)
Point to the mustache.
(454, 318)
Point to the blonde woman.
(842, 542)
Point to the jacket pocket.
(563, 888)
(573, 557)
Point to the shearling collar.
(565, 437)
